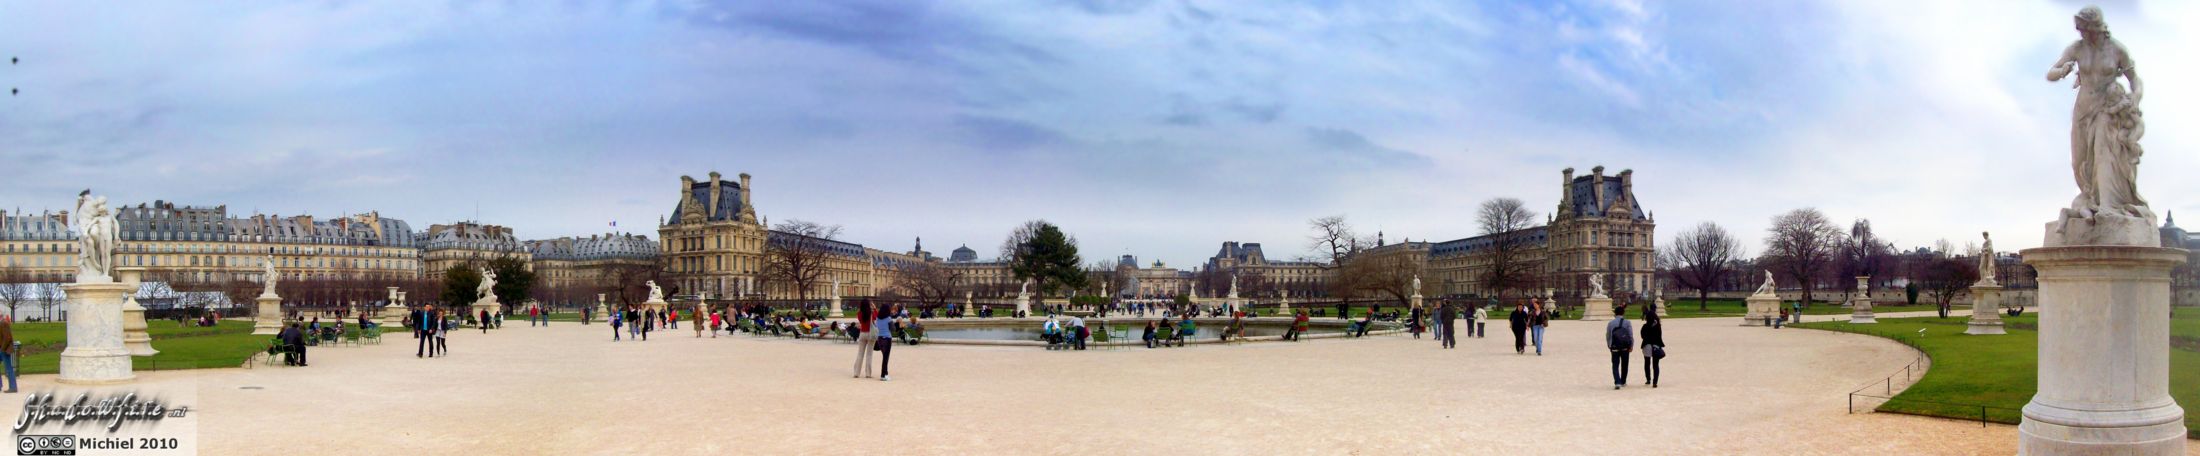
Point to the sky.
(1154, 128)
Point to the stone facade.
(207, 244)
(466, 244)
(1598, 228)
(586, 262)
(1301, 278)
(714, 240)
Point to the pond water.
(1032, 333)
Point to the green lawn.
(2000, 372)
(1687, 308)
(228, 344)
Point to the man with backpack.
(1619, 336)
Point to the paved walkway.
(569, 390)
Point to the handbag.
(1657, 351)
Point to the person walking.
(866, 339)
(1481, 322)
(633, 323)
(1539, 320)
(1653, 345)
(672, 319)
(442, 335)
(1468, 313)
(421, 324)
(1519, 319)
(716, 319)
(1413, 322)
(485, 321)
(616, 318)
(418, 314)
(9, 349)
(698, 324)
(1619, 336)
(882, 332)
(1444, 329)
(649, 322)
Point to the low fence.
(1877, 395)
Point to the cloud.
(1156, 128)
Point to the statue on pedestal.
(2105, 127)
(1767, 288)
(1596, 285)
(95, 239)
(1986, 266)
(655, 293)
(486, 290)
(268, 276)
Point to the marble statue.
(2105, 127)
(1986, 267)
(655, 293)
(95, 238)
(1596, 285)
(836, 289)
(268, 276)
(1767, 288)
(487, 288)
(1416, 284)
(1024, 290)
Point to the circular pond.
(1123, 331)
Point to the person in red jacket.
(865, 339)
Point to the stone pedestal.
(834, 311)
(1596, 308)
(134, 337)
(393, 316)
(1763, 309)
(95, 354)
(1023, 304)
(658, 305)
(1860, 304)
(268, 319)
(1660, 305)
(1985, 310)
(2104, 353)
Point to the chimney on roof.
(1598, 186)
(745, 190)
(1627, 183)
(713, 195)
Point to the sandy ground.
(569, 390)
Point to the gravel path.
(569, 390)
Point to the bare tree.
(1385, 274)
(626, 284)
(800, 261)
(928, 282)
(1945, 278)
(1333, 241)
(1505, 221)
(15, 287)
(1863, 255)
(49, 294)
(1701, 258)
(1802, 244)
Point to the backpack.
(1622, 337)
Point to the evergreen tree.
(1048, 258)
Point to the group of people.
(432, 327)
(875, 329)
(1529, 319)
(638, 322)
(1620, 338)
